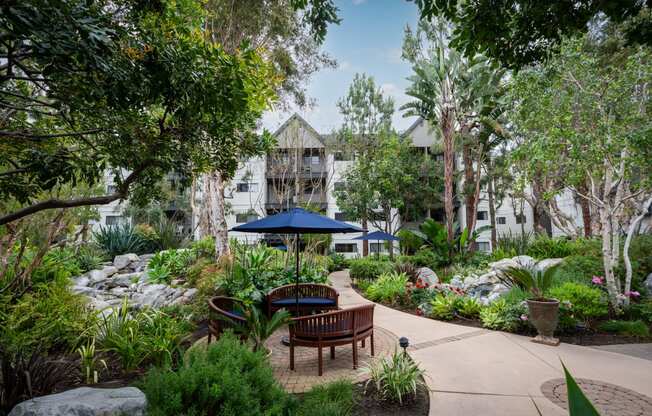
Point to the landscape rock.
(545, 264)
(524, 261)
(648, 283)
(85, 401)
(428, 276)
(124, 260)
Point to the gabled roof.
(302, 122)
(414, 125)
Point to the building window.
(346, 248)
(247, 187)
(520, 219)
(341, 156)
(340, 216)
(376, 247)
(339, 186)
(112, 220)
(244, 217)
(482, 246)
(110, 189)
(502, 220)
(308, 189)
(482, 216)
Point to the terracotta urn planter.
(544, 315)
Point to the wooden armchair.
(330, 329)
(312, 297)
(224, 313)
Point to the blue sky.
(369, 40)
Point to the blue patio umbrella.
(377, 236)
(297, 221)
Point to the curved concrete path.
(474, 371)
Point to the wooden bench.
(225, 313)
(330, 329)
(312, 297)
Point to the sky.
(368, 40)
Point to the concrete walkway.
(474, 371)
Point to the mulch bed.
(587, 338)
(370, 404)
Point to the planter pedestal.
(540, 339)
(544, 315)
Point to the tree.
(522, 32)
(367, 114)
(459, 96)
(289, 35)
(137, 89)
(378, 185)
(590, 115)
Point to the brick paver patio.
(304, 376)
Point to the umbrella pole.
(296, 305)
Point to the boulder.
(125, 279)
(503, 264)
(124, 260)
(427, 276)
(82, 280)
(98, 275)
(524, 261)
(648, 283)
(545, 264)
(85, 401)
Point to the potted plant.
(543, 311)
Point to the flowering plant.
(597, 280)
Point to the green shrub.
(388, 288)
(587, 303)
(58, 264)
(204, 247)
(426, 258)
(544, 247)
(225, 379)
(469, 307)
(516, 243)
(409, 242)
(332, 399)
(629, 328)
(120, 239)
(337, 262)
(169, 264)
(579, 269)
(445, 307)
(395, 377)
(50, 318)
(368, 268)
(640, 311)
(89, 257)
(146, 336)
(503, 316)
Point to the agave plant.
(536, 281)
(119, 239)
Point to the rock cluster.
(85, 401)
(127, 277)
(488, 287)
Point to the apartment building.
(306, 168)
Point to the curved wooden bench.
(225, 313)
(312, 297)
(330, 329)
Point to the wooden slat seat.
(331, 329)
(225, 313)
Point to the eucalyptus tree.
(367, 114)
(288, 34)
(589, 113)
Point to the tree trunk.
(446, 125)
(630, 234)
(365, 243)
(213, 213)
(585, 206)
(492, 210)
(469, 197)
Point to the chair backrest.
(334, 324)
(221, 310)
(305, 290)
